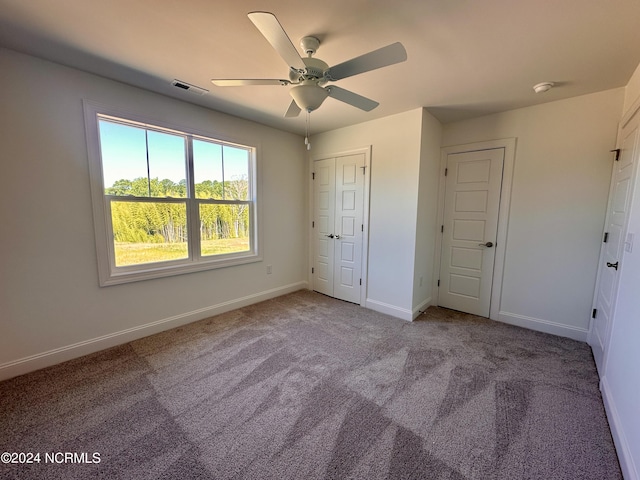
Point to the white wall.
(632, 90)
(51, 307)
(427, 227)
(558, 203)
(621, 380)
(393, 210)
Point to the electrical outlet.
(268, 269)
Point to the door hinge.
(594, 313)
(441, 228)
(362, 227)
(617, 152)
(364, 169)
(312, 270)
(360, 281)
(313, 175)
(313, 224)
(438, 282)
(446, 171)
(606, 237)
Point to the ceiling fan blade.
(269, 26)
(293, 110)
(383, 57)
(241, 82)
(346, 96)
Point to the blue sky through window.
(124, 156)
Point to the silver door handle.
(337, 237)
(488, 244)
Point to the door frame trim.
(509, 146)
(365, 215)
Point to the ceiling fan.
(309, 75)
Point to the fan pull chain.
(306, 138)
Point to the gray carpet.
(308, 387)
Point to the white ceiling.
(465, 57)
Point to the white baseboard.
(58, 355)
(392, 310)
(421, 308)
(629, 470)
(545, 326)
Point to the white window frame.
(108, 272)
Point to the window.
(168, 201)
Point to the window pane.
(224, 229)
(124, 159)
(167, 165)
(141, 162)
(147, 232)
(236, 173)
(207, 169)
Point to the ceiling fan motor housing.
(314, 70)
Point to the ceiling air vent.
(188, 87)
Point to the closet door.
(324, 195)
(338, 226)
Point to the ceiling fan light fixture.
(308, 96)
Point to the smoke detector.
(543, 87)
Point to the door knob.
(337, 237)
(330, 235)
(488, 244)
(612, 265)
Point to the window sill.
(119, 276)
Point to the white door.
(472, 201)
(613, 241)
(338, 226)
(324, 200)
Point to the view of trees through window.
(156, 211)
